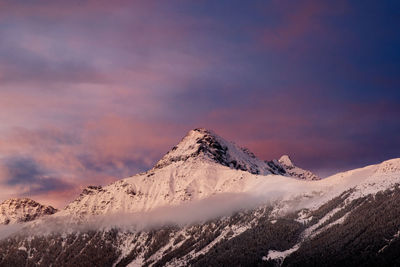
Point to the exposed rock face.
(18, 210)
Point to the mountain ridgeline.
(209, 202)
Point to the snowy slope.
(358, 183)
(16, 210)
(172, 185)
(364, 181)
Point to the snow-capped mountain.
(351, 217)
(201, 165)
(18, 210)
(295, 171)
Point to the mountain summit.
(205, 145)
(295, 171)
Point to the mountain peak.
(201, 130)
(189, 147)
(203, 144)
(295, 171)
(16, 210)
(286, 160)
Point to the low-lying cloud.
(198, 211)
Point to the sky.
(94, 91)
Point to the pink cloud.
(104, 150)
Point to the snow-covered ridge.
(18, 210)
